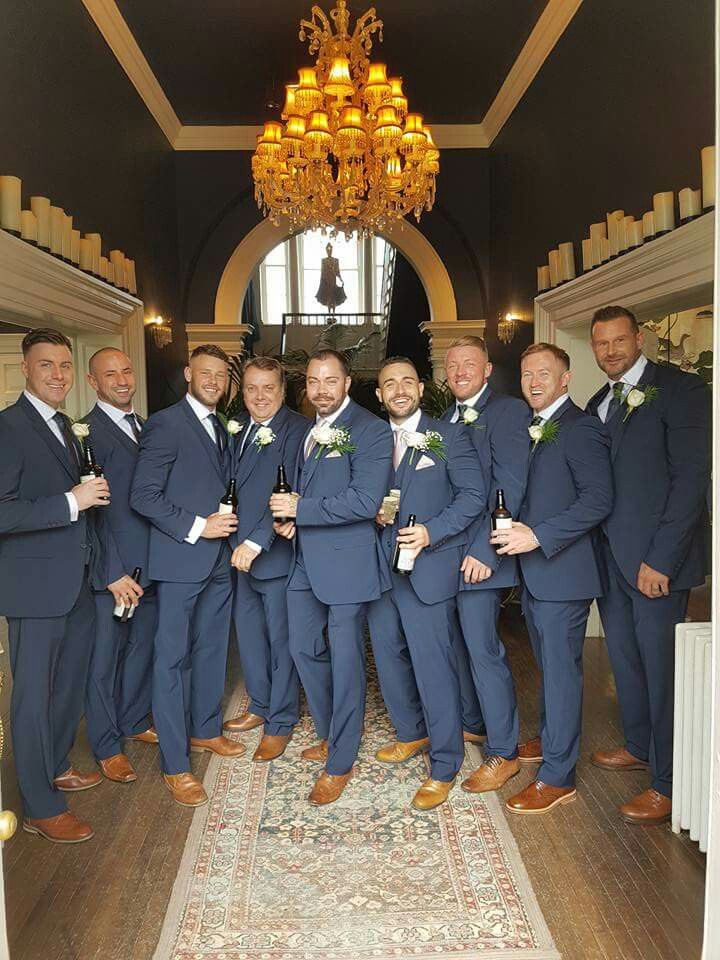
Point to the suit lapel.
(410, 461)
(119, 436)
(250, 458)
(618, 425)
(555, 418)
(595, 401)
(61, 453)
(204, 438)
(310, 465)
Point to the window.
(274, 284)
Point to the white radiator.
(691, 747)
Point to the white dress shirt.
(470, 402)
(118, 418)
(48, 413)
(629, 380)
(253, 423)
(555, 405)
(319, 419)
(409, 425)
(203, 414)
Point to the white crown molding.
(116, 32)
(545, 34)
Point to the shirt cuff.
(74, 509)
(253, 546)
(195, 530)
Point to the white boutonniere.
(233, 427)
(332, 439)
(638, 396)
(544, 432)
(264, 437)
(430, 441)
(470, 415)
(81, 429)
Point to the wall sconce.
(160, 330)
(507, 327)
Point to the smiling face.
(263, 393)
(543, 379)
(49, 373)
(113, 379)
(467, 370)
(399, 390)
(326, 385)
(616, 345)
(207, 378)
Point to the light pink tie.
(400, 438)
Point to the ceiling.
(220, 61)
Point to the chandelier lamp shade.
(346, 154)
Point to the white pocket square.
(424, 462)
(333, 453)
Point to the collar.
(554, 406)
(471, 401)
(410, 424)
(632, 376)
(261, 423)
(115, 414)
(333, 416)
(199, 409)
(44, 409)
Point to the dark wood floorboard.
(608, 891)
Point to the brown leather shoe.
(401, 750)
(270, 748)
(647, 808)
(493, 774)
(432, 793)
(64, 828)
(246, 721)
(186, 789)
(474, 737)
(147, 736)
(317, 752)
(328, 787)
(222, 746)
(118, 768)
(530, 751)
(539, 797)
(620, 759)
(73, 781)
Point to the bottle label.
(87, 477)
(119, 610)
(503, 523)
(226, 508)
(406, 560)
(124, 613)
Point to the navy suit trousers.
(191, 646)
(479, 611)
(49, 659)
(403, 629)
(120, 679)
(472, 715)
(261, 627)
(557, 635)
(640, 636)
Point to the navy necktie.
(134, 425)
(615, 401)
(219, 434)
(70, 443)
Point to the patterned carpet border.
(182, 937)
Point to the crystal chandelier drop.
(349, 156)
(506, 328)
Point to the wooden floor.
(608, 890)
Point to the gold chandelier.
(349, 156)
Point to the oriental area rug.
(267, 876)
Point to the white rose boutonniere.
(81, 430)
(535, 432)
(430, 441)
(638, 396)
(233, 427)
(543, 432)
(470, 415)
(264, 437)
(332, 440)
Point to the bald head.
(112, 377)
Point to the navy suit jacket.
(661, 467)
(179, 475)
(500, 437)
(42, 554)
(124, 534)
(256, 473)
(340, 498)
(569, 493)
(446, 498)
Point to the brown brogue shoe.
(118, 768)
(539, 797)
(401, 750)
(493, 774)
(246, 721)
(222, 746)
(620, 759)
(147, 736)
(186, 789)
(530, 751)
(64, 828)
(73, 781)
(648, 808)
(432, 793)
(328, 787)
(317, 752)
(270, 748)
(474, 737)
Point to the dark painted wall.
(618, 112)
(74, 129)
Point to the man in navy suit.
(342, 475)
(497, 426)
(651, 544)
(182, 473)
(271, 436)
(440, 482)
(47, 550)
(569, 492)
(119, 681)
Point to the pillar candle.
(636, 236)
(132, 281)
(648, 225)
(707, 159)
(86, 259)
(96, 245)
(567, 261)
(597, 232)
(604, 250)
(543, 278)
(587, 254)
(625, 227)
(104, 263)
(28, 225)
(40, 206)
(110, 272)
(117, 258)
(613, 219)
(664, 210)
(10, 203)
(57, 222)
(554, 263)
(690, 204)
(67, 237)
(75, 246)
